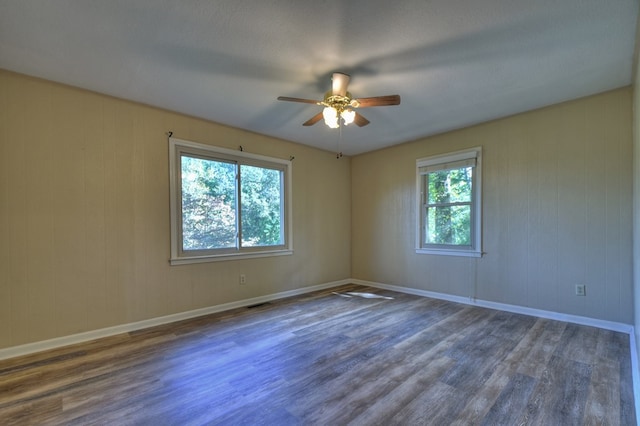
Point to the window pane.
(261, 203)
(449, 225)
(450, 186)
(208, 204)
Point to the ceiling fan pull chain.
(339, 154)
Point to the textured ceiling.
(453, 62)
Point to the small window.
(449, 202)
(227, 204)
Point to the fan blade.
(360, 120)
(313, 120)
(304, 101)
(340, 82)
(378, 101)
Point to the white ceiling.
(453, 62)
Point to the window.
(449, 203)
(227, 204)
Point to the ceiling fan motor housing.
(338, 102)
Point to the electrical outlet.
(581, 290)
(243, 279)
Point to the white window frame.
(178, 147)
(444, 162)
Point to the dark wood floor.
(332, 358)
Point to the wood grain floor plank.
(604, 393)
(478, 405)
(511, 402)
(628, 416)
(477, 357)
(561, 395)
(574, 341)
(380, 411)
(507, 325)
(438, 404)
(531, 354)
(536, 348)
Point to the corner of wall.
(635, 107)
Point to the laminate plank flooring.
(338, 357)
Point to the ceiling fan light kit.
(331, 114)
(339, 103)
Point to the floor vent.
(257, 305)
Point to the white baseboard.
(607, 325)
(124, 328)
(57, 342)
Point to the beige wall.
(557, 205)
(84, 215)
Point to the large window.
(449, 202)
(227, 204)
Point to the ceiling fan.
(338, 103)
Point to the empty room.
(319, 212)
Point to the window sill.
(228, 256)
(445, 252)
